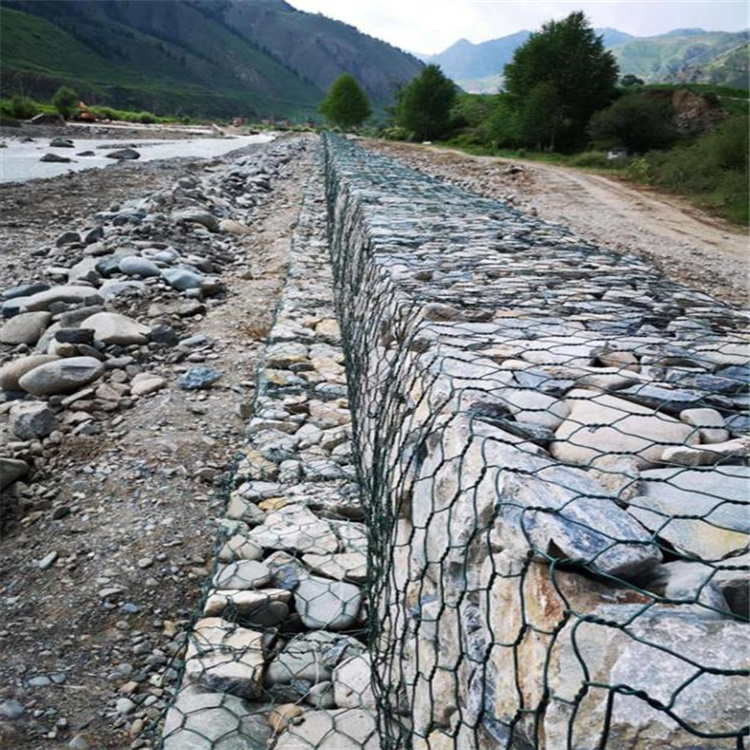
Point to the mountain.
(669, 56)
(683, 54)
(728, 69)
(206, 57)
(465, 60)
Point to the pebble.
(48, 560)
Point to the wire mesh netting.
(495, 494)
(552, 447)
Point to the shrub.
(713, 169)
(148, 118)
(636, 121)
(22, 108)
(595, 159)
(65, 101)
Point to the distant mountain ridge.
(215, 57)
(719, 55)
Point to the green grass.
(138, 72)
(712, 172)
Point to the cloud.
(432, 25)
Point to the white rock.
(599, 424)
(61, 376)
(711, 425)
(224, 657)
(352, 683)
(113, 328)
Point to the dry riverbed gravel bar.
(135, 324)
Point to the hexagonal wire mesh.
(550, 443)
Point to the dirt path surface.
(685, 243)
(105, 551)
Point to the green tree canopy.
(65, 101)
(569, 60)
(637, 121)
(346, 105)
(424, 106)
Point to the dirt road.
(685, 243)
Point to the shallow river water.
(20, 162)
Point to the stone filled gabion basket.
(495, 493)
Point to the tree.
(424, 105)
(638, 122)
(65, 101)
(630, 80)
(346, 105)
(570, 60)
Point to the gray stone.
(24, 290)
(60, 142)
(247, 604)
(10, 709)
(132, 265)
(244, 574)
(11, 470)
(341, 729)
(239, 547)
(61, 376)
(113, 328)
(205, 720)
(70, 294)
(346, 566)
(85, 270)
(182, 279)
(30, 420)
(124, 154)
(323, 603)
(296, 529)
(703, 455)
(716, 499)
(25, 328)
(12, 372)
(710, 424)
(197, 378)
(311, 657)
(224, 657)
(654, 653)
(197, 216)
(352, 683)
(667, 400)
(50, 157)
(691, 584)
(600, 424)
(48, 560)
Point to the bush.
(65, 101)
(148, 118)
(638, 122)
(21, 107)
(592, 159)
(714, 169)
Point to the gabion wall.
(551, 442)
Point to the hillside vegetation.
(683, 55)
(203, 57)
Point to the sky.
(429, 26)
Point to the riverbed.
(20, 159)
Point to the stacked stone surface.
(284, 622)
(552, 441)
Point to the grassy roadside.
(711, 174)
